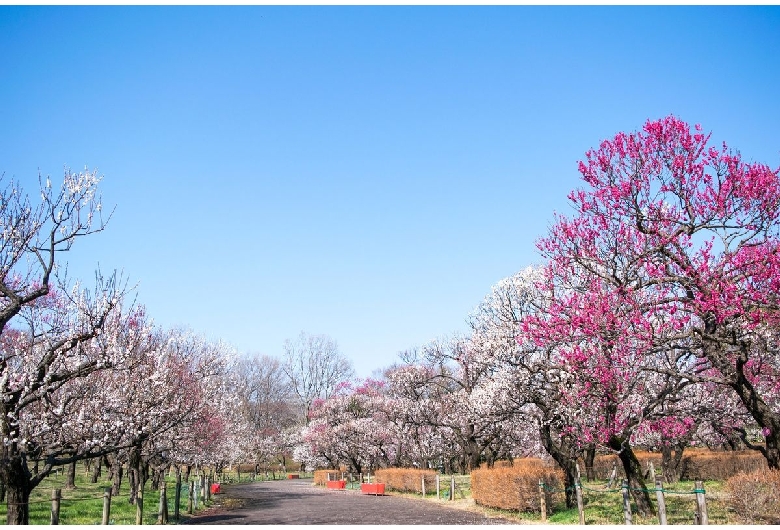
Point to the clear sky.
(364, 172)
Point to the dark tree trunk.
(766, 418)
(116, 472)
(16, 477)
(590, 457)
(134, 471)
(633, 471)
(563, 453)
(96, 471)
(356, 466)
(157, 476)
(186, 477)
(773, 450)
(70, 482)
(671, 462)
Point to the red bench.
(373, 489)
(336, 484)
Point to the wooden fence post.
(580, 504)
(56, 495)
(452, 487)
(162, 515)
(659, 495)
(422, 487)
(106, 505)
(612, 476)
(626, 502)
(652, 472)
(542, 501)
(701, 503)
(438, 495)
(177, 494)
(139, 505)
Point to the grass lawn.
(84, 504)
(606, 508)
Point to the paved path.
(284, 502)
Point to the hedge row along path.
(298, 501)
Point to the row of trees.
(652, 321)
(85, 374)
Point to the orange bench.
(373, 489)
(336, 484)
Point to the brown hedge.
(721, 465)
(407, 479)
(321, 476)
(697, 464)
(755, 497)
(516, 487)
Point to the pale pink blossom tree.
(57, 340)
(350, 428)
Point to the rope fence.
(700, 514)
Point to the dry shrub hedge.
(755, 496)
(321, 476)
(720, 465)
(516, 487)
(697, 464)
(407, 479)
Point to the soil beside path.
(298, 501)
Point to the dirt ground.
(297, 501)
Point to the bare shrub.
(721, 465)
(407, 479)
(697, 464)
(755, 496)
(516, 487)
(321, 476)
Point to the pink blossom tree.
(679, 240)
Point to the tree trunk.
(562, 452)
(633, 471)
(70, 483)
(116, 471)
(590, 457)
(767, 419)
(134, 473)
(672, 463)
(16, 477)
(773, 450)
(96, 471)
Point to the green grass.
(606, 508)
(84, 504)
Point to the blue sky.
(364, 172)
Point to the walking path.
(297, 501)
